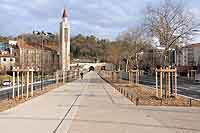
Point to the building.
(34, 55)
(6, 49)
(7, 59)
(189, 55)
(11, 42)
(151, 57)
(7, 62)
(64, 42)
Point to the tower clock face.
(66, 35)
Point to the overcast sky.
(104, 18)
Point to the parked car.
(7, 83)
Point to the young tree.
(171, 23)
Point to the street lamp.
(43, 35)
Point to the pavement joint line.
(64, 118)
(66, 114)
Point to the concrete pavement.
(93, 106)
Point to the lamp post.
(43, 36)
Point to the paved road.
(93, 106)
(184, 87)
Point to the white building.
(189, 55)
(11, 42)
(7, 62)
(65, 42)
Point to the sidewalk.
(93, 106)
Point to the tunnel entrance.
(91, 68)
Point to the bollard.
(132, 98)
(137, 101)
(8, 96)
(190, 102)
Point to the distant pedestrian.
(81, 75)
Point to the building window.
(4, 59)
(11, 67)
(11, 59)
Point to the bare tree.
(113, 53)
(134, 42)
(171, 23)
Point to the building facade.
(189, 55)
(7, 58)
(33, 55)
(7, 62)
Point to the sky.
(103, 18)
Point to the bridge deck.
(93, 106)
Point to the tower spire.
(65, 13)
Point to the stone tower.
(64, 42)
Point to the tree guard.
(20, 72)
(170, 85)
(134, 76)
(192, 74)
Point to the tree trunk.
(126, 69)
(119, 67)
(164, 58)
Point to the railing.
(56, 78)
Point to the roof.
(65, 13)
(195, 45)
(37, 46)
(4, 46)
(53, 47)
(24, 45)
(7, 56)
